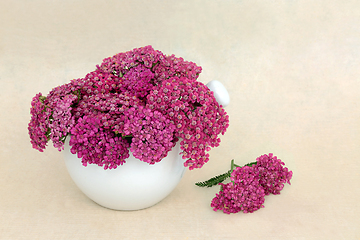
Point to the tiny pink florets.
(140, 100)
(250, 184)
(38, 126)
(243, 193)
(152, 132)
(272, 173)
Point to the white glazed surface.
(220, 93)
(132, 186)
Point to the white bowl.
(134, 185)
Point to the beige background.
(292, 70)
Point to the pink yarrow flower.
(62, 120)
(152, 134)
(198, 118)
(273, 174)
(249, 184)
(97, 145)
(243, 193)
(38, 126)
(140, 100)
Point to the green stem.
(250, 164)
(232, 165)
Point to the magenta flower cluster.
(250, 184)
(140, 101)
(39, 124)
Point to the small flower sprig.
(249, 184)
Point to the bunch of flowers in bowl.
(139, 102)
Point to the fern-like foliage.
(220, 178)
(215, 180)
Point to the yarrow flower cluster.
(140, 101)
(249, 185)
(243, 193)
(38, 127)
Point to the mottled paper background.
(292, 71)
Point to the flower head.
(243, 193)
(196, 114)
(272, 173)
(39, 123)
(96, 145)
(152, 134)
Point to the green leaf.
(215, 180)
(42, 98)
(220, 178)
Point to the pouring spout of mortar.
(220, 93)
